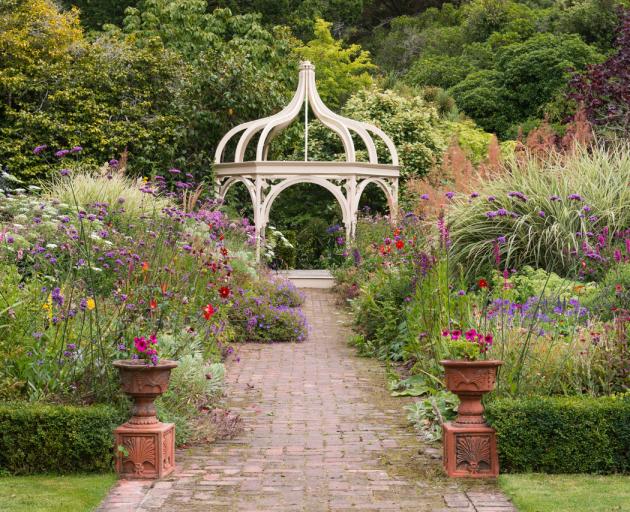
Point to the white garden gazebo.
(346, 180)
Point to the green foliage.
(526, 77)
(598, 175)
(563, 435)
(530, 282)
(441, 71)
(194, 384)
(613, 293)
(462, 349)
(340, 71)
(58, 88)
(482, 96)
(429, 414)
(410, 121)
(505, 62)
(40, 438)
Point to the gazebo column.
(259, 217)
(353, 205)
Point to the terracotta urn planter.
(145, 447)
(470, 445)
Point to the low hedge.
(562, 434)
(37, 438)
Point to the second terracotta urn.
(470, 445)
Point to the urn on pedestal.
(470, 445)
(145, 447)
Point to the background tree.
(340, 71)
(604, 89)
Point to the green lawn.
(567, 493)
(48, 493)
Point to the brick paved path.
(321, 434)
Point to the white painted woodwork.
(346, 180)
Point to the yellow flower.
(47, 306)
(90, 304)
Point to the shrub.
(563, 435)
(256, 318)
(54, 438)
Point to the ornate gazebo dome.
(346, 180)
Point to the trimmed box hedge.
(37, 438)
(562, 434)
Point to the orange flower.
(153, 304)
(145, 266)
(208, 312)
(164, 287)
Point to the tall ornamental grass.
(542, 210)
(84, 187)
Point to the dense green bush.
(56, 438)
(563, 435)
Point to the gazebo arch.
(265, 180)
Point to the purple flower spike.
(61, 153)
(39, 149)
(450, 195)
(113, 162)
(541, 213)
(174, 171)
(424, 197)
(65, 172)
(76, 149)
(554, 198)
(575, 197)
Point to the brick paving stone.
(321, 434)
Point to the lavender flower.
(39, 149)
(61, 153)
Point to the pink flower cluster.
(483, 340)
(146, 348)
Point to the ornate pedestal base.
(149, 450)
(470, 451)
